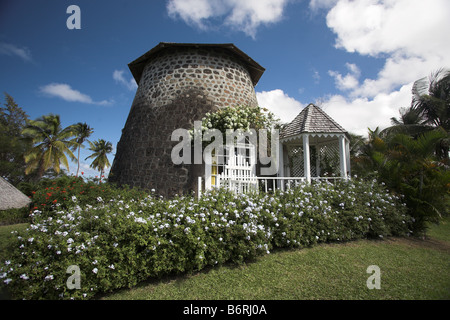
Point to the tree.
(412, 170)
(101, 149)
(50, 143)
(82, 133)
(431, 98)
(411, 122)
(12, 146)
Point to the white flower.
(24, 277)
(74, 199)
(49, 277)
(70, 240)
(111, 266)
(30, 239)
(95, 270)
(7, 281)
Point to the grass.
(411, 269)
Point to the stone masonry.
(177, 85)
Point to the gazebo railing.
(245, 183)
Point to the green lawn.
(410, 269)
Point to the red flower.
(82, 172)
(55, 201)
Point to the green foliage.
(239, 117)
(82, 132)
(412, 156)
(244, 118)
(50, 142)
(119, 239)
(12, 145)
(100, 149)
(13, 216)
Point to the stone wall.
(178, 86)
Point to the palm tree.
(50, 143)
(82, 133)
(413, 172)
(101, 149)
(411, 122)
(431, 98)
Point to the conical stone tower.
(178, 83)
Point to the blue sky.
(357, 59)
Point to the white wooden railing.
(247, 183)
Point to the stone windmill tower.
(178, 83)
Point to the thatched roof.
(11, 197)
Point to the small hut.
(11, 197)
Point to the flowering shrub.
(51, 195)
(118, 242)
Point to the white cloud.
(119, 78)
(246, 16)
(65, 92)
(279, 103)
(13, 50)
(412, 36)
(316, 76)
(315, 5)
(349, 81)
(355, 115)
(358, 114)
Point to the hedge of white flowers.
(117, 244)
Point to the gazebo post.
(342, 156)
(306, 158)
(347, 157)
(317, 160)
(280, 163)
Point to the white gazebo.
(314, 146)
